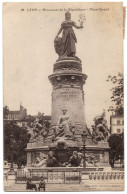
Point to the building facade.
(20, 116)
(117, 124)
(17, 114)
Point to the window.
(118, 122)
(118, 131)
(123, 122)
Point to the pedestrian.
(41, 184)
(30, 185)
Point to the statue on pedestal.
(39, 130)
(65, 46)
(51, 161)
(42, 161)
(92, 160)
(65, 127)
(100, 129)
(76, 160)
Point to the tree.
(117, 93)
(116, 144)
(19, 143)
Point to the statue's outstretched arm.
(78, 27)
(60, 30)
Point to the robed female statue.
(65, 46)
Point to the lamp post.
(12, 145)
(11, 174)
(84, 135)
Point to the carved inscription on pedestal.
(68, 94)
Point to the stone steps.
(86, 186)
(49, 187)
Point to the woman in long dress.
(64, 121)
(65, 46)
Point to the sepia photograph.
(63, 96)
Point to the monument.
(67, 142)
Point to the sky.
(29, 53)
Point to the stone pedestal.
(97, 156)
(11, 177)
(34, 150)
(67, 80)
